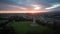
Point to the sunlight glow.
(20, 9)
(36, 7)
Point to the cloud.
(53, 6)
(22, 4)
(7, 1)
(53, 1)
(11, 7)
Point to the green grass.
(24, 27)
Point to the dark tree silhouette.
(5, 29)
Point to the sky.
(53, 5)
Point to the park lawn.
(24, 27)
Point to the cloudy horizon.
(53, 5)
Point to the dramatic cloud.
(29, 4)
(53, 6)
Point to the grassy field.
(26, 28)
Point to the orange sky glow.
(23, 11)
